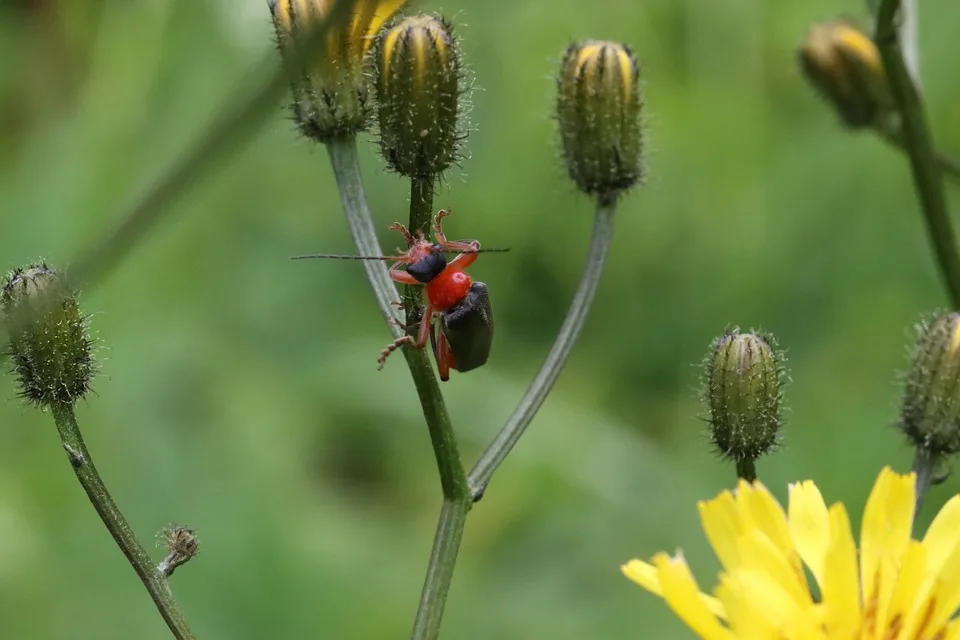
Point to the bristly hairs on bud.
(743, 379)
(181, 544)
(599, 108)
(930, 411)
(422, 96)
(49, 343)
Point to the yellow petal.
(887, 521)
(909, 581)
(722, 525)
(759, 554)
(947, 576)
(809, 526)
(645, 575)
(739, 603)
(760, 508)
(943, 536)
(370, 16)
(840, 587)
(769, 602)
(681, 594)
(953, 630)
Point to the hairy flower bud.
(743, 377)
(418, 92)
(930, 414)
(598, 116)
(49, 344)
(844, 66)
(331, 92)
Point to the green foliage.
(238, 387)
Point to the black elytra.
(468, 327)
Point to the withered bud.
(844, 66)
(419, 92)
(743, 380)
(598, 115)
(930, 414)
(49, 343)
(181, 544)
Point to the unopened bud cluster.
(598, 116)
(844, 66)
(930, 414)
(743, 380)
(419, 92)
(49, 343)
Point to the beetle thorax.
(448, 289)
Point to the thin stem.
(747, 469)
(154, 581)
(346, 169)
(925, 466)
(927, 176)
(535, 395)
(948, 164)
(443, 559)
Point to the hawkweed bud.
(844, 66)
(49, 344)
(743, 379)
(331, 92)
(181, 544)
(930, 414)
(598, 116)
(418, 93)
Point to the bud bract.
(598, 116)
(844, 66)
(743, 379)
(418, 94)
(331, 92)
(49, 344)
(930, 414)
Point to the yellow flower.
(331, 92)
(898, 589)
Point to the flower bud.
(181, 544)
(743, 377)
(418, 92)
(598, 116)
(49, 344)
(930, 414)
(331, 92)
(844, 66)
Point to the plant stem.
(443, 559)
(924, 465)
(535, 395)
(927, 176)
(747, 469)
(154, 581)
(346, 169)
(894, 137)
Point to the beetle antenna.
(336, 256)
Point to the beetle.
(462, 335)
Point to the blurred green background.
(239, 393)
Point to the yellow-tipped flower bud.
(331, 92)
(844, 66)
(49, 344)
(930, 415)
(598, 115)
(743, 379)
(418, 91)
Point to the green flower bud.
(49, 343)
(418, 91)
(743, 378)
(598, 116)
(930, 414)
(331, 91)
(844, 66)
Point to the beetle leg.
(444, 357)
(390, 348)
(464, 260)
(396, 226)
(426, 321)
(399, 275)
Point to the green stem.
(346, 169)
(948, 164)
(927, 176)
(443, 559)
(747, 469)
(925, 466)
(535, 395)
(154, 581)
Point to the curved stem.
(535, 395)
(948, 164)
(927, 176)
(346, 168)
(154, 581)
(924, 465)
